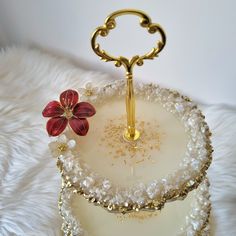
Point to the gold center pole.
(130, 133)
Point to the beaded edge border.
(170, 195)
(197, 222)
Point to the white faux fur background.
(29, 179)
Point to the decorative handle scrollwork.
(110, 24)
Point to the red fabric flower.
(68, 110)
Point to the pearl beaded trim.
(154, 195)
(196, 222)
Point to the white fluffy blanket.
(29, 179)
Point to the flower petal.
(56, 125)
(62, 139)
(83, 110)
(80, 126)
(53, 109)
(69, 98)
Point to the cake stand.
(135, 160)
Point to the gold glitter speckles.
(140, 216)
(62, 147)
(134, 152)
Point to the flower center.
(62, 147)
(88, 92)
(68, 113)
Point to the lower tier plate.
(189, 217)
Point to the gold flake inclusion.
(88, 92)
(140, 216)
(137, 151)
(62, 147)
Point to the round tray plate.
(154, 194)
(194, 213)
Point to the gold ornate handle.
(131, 133)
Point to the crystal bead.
(152, 190)
(179, 107)
(106, 184)
(71, 144)
(192, 121)
(190, 232)
(117, 199)
(62, 138)
(68, 164)
(88, 182)
(140, 201)
(75, 179)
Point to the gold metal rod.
(130, 104)
(131, 133)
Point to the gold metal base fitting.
(129, 137)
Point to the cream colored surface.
(98, 222)
(161, 162)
